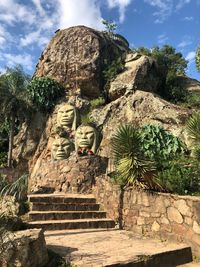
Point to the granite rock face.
(24, 249)
(139, 108)
(141, 73)
(76, 57)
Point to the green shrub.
(159, 145)
(111, 70)
(44, 93)
(131, 163)
(100, 101)
(180, 176)
(3, 159)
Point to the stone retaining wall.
(152, 214)
(72, 175)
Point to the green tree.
(109, 25)
(14, 101)
(197, 58)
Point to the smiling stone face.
(61, 149)
(66, 116)
(86, 138)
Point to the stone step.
(59, 198)
(64, 215)
(72, 224)
(64, 207)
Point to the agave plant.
(131, 164)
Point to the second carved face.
(61, 149)
(86, 138)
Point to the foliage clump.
(97, 102)
(180, 176)
(151, 157)
(44, 92)
(111, 70)
(160, 145)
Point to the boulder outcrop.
(139, 108)
(77, 56)
(141, 73)
(24, 249)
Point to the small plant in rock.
(44, 93)
(97, 102)
(131, 163)
(111, 70)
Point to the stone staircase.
(59, 212)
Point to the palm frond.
(18, 189)
(193, 127)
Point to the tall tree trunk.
(11, 138)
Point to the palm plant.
(18, 189)
(131, 164)
(193, 128)
(14, 101)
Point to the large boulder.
(141, 73)
(77, 56)
(139, 108)
(24, 249)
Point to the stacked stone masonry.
(153, 214)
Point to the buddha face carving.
(61, 149)
(86, 139)
(67, 117)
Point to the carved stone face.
(86, 137)
(66, 116)
(61, 149)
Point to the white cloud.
(184, 43)
(162, 38)
(12, 12)
(39, 7)
(165, 9)
(121, 5)
(190, 56)
(76, 12)
(182, 3)
(188, 18)
(34, 37)
(4, 36)
(11, 60)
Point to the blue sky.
(26, 26)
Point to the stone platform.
(93, 248)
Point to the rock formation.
(77, 56)
(25, 248)
(141, 73)
(139, 108)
